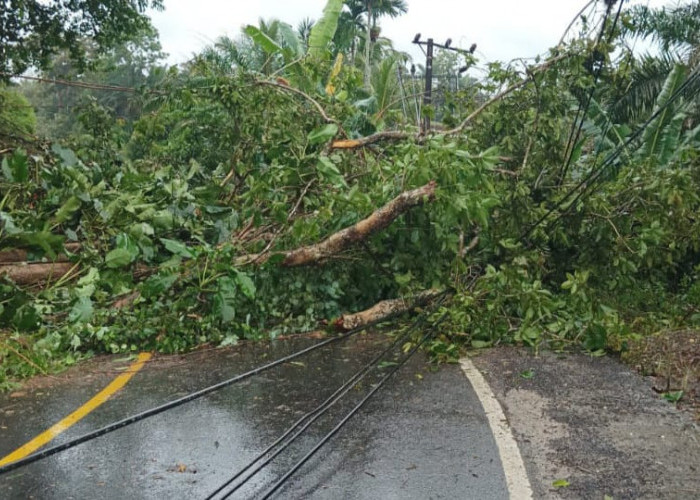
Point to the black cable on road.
(280, 482)
(172, 404)
(313, 415)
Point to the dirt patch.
(673, 359)
(594, 423)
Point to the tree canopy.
(32, 31)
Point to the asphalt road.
(423, 435)
(585, 427)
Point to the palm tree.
(677, 31)
(350, 25)
(374, 9)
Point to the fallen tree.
(343, 239)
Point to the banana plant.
(288, 45)
(664, 136)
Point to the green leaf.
(178, 248)
(82, 311)
(156, 285)
(7, 224)
(329, 172)
(67, 155)
(225, 299)
(119, 257)
(527, 374)
(291, 39)
(246, 284)
(16, 167)
(67, 209)
(324, 29)
(163, 219)
(45, 240)
(323, 134)
(674, 396)
(262, 40)
(561, 483)
(26, 318)
(653, 133)
(127, 243)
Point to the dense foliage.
(576, 239)
(32, 31)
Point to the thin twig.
(573, 21)
(25, 358)
(400, 135)
(306, 96)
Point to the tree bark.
(336, 243)
(26, 273)
(385, 309)
(21, 254)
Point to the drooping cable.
(596, 173)
(580, 118)
(172, 404)
(280, 482)
(309, 418)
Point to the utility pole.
(428, 94)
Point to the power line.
(596, 173)
(173, 404)
(310, 417)
(577, 125)
(280, 482)
(82, 85)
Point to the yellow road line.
(78, 414)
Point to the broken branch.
(32, 273)
(385, 309)
(398, 135)
(336, 243)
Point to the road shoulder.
(593, 424)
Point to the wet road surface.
(423, 435)
(595, 424)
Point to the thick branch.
(385, 309)
(336, 243)
(394, 135)
(31, 274)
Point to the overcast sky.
(502, 29)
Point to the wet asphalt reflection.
(423, 435)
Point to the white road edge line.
(513, 467)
